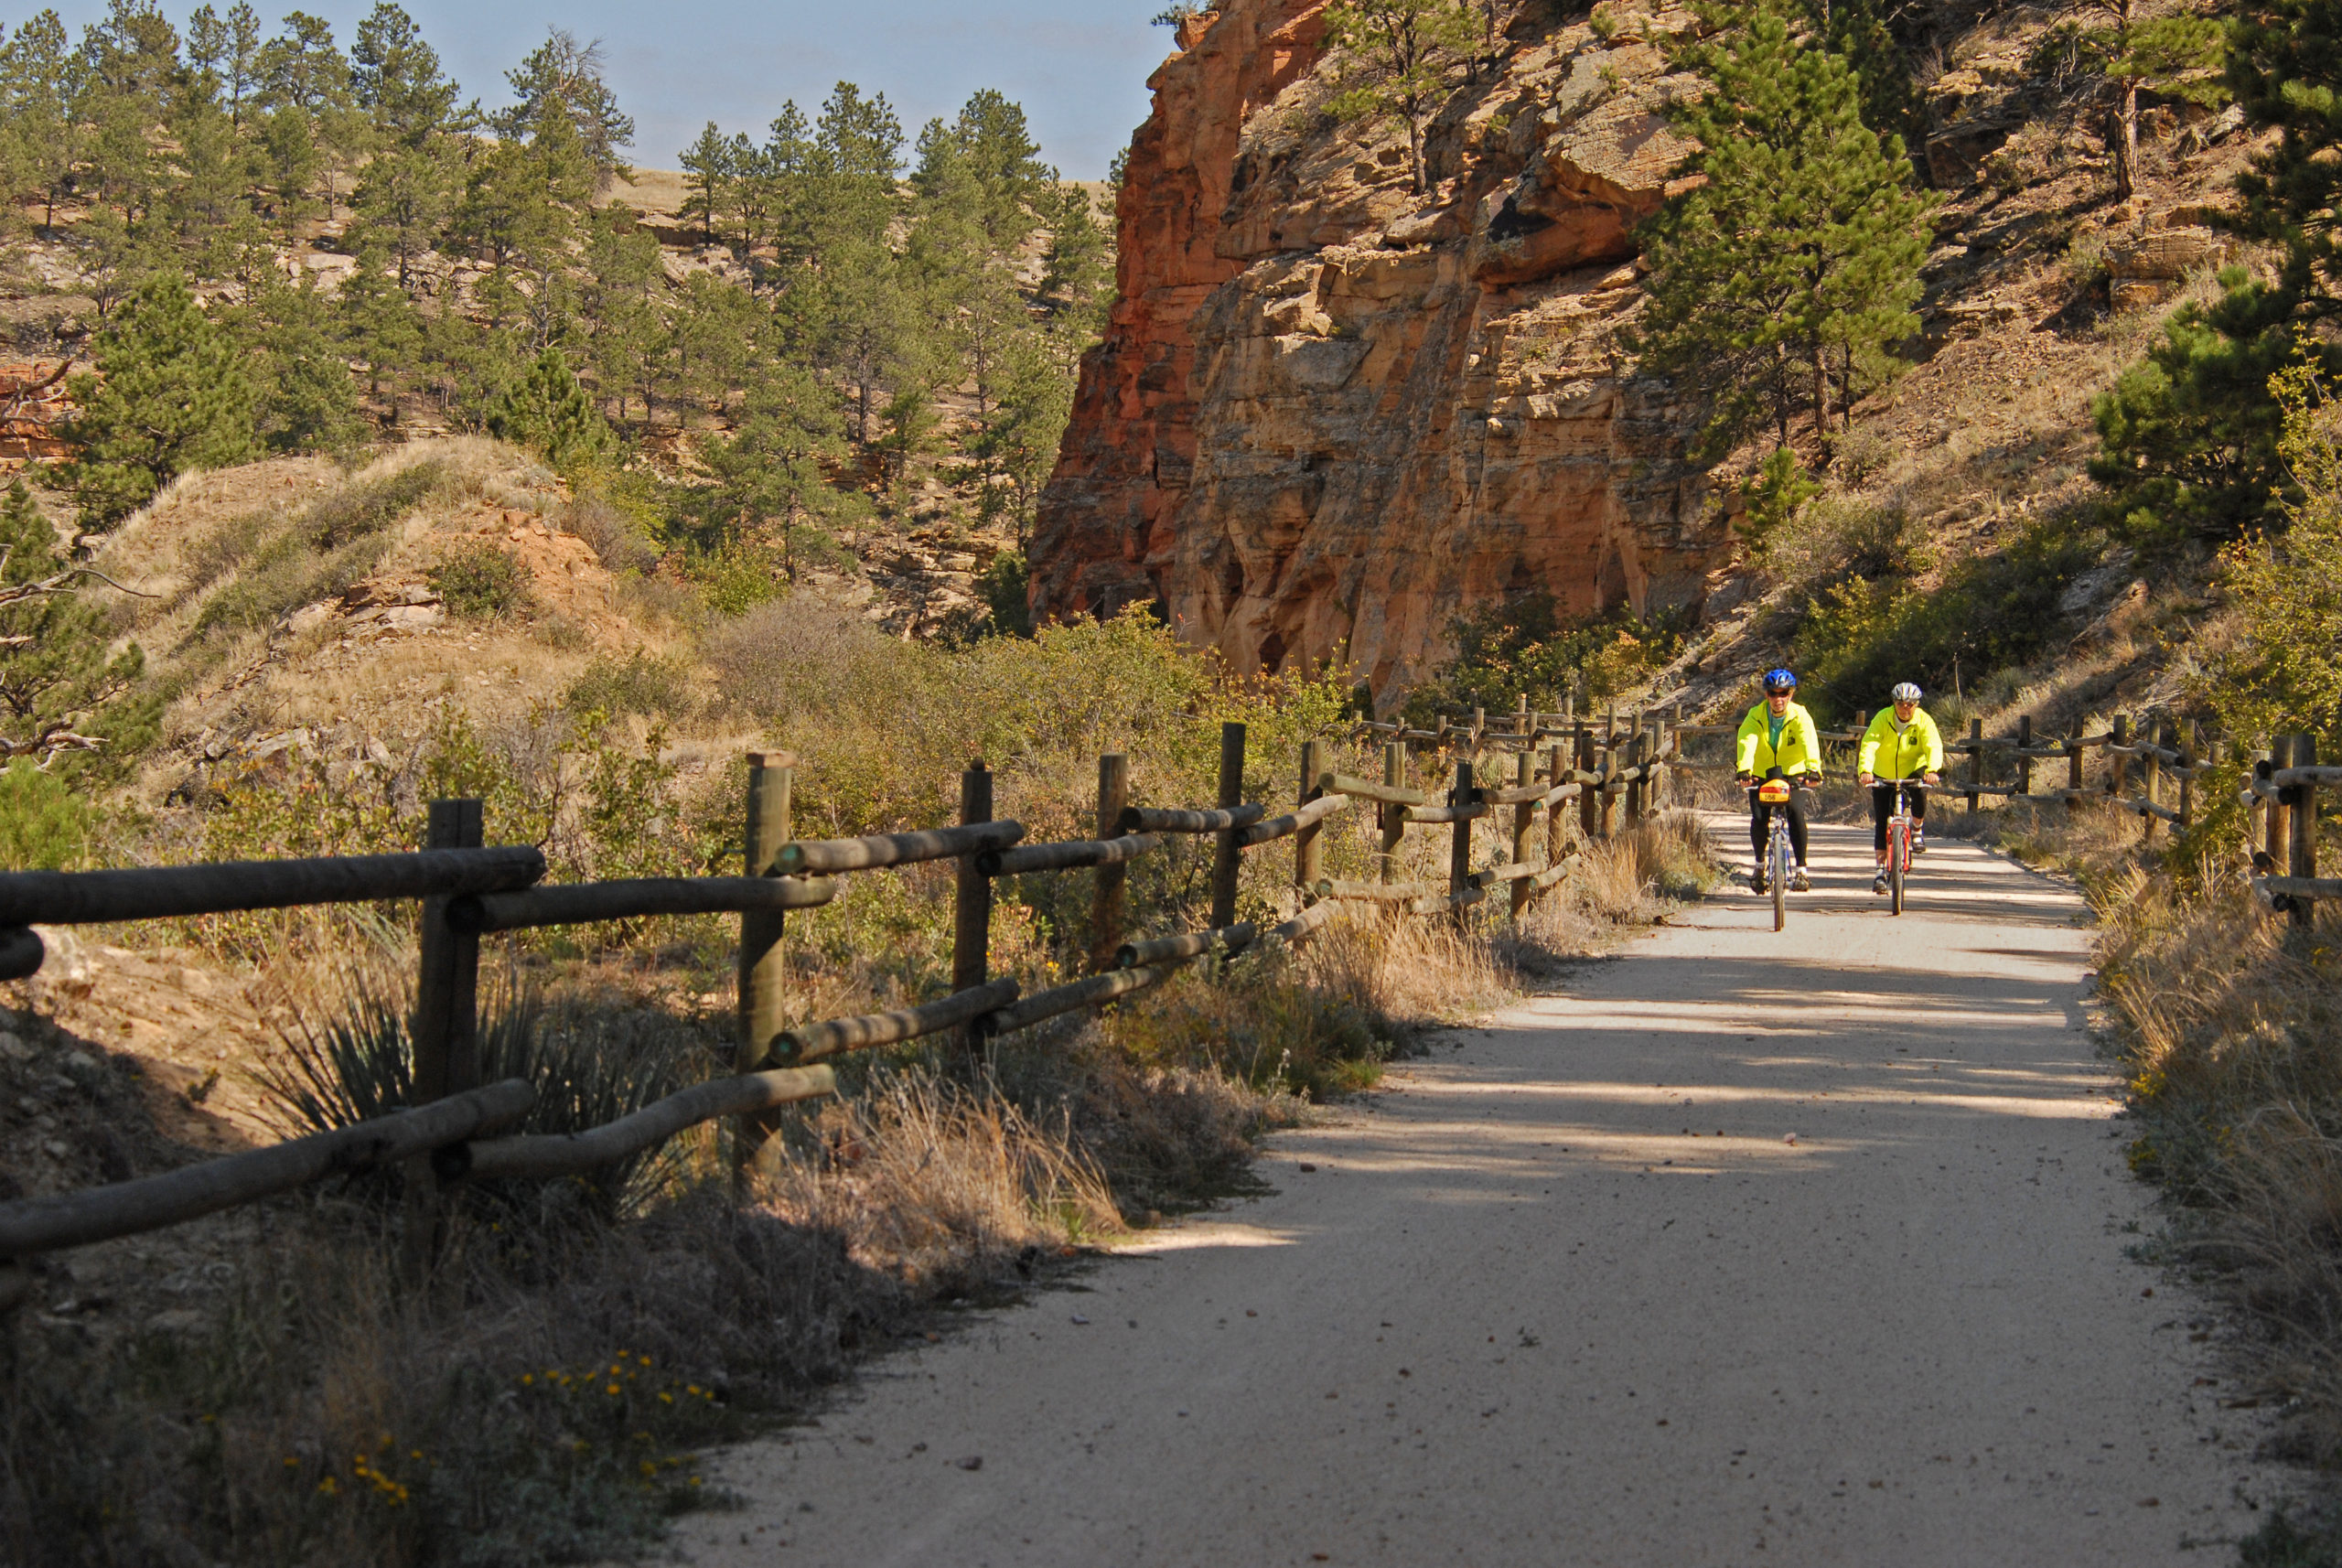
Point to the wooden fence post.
(2275, 833)
(1595, 806)
(1108, 890)
(1975, 762)
(971, 911)
(1639, 792)
(2074, 765)
(1308, 855)
(1557, 822)
(2301, 848)
(1524, 816)
(445, 1031)
(1228, 857)
(1459, 844)
(2118, 776)
(763, 967)
(1638, 789)
(2186, 742)
(2150, 780)
(447, 990)
(2023, 762)
(1661, 780)
(1392, 815)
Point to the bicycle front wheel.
(1780, 879)
(1898, 859)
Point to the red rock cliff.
(1329, 414)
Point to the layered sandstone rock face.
(1330, 415)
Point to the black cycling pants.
(1760, 823)
(1882, 806)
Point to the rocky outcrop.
(2147, 265)
(1330, 415)
(34, 410)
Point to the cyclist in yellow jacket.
(1903, 743)
(1778, 733)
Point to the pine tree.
(130, 64)
(62, 696)
(171, 395)
(307, 400)
(771, 474)
(2177, 55)
(1019, 446)
(2189, 440)
(547, 411)
(303, 76)
(717, 333)
(561, 81)
(409, 183)
(620, 301)
(1796, 257)
(1861, 31)
(991, 148)
(37, 82)
(1396, 56)
(380, 322)
(709, 169)
(1077, 275)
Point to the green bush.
(639, 684)
(2281, 676)
(1776, 494)
(44, 825)
(2188, 438)
(332, 545)
(1862, 634)
(588, 1068)
(1838, 537)
(1526, 647)
(1005, 588)
(736, 575)
(481, 582)
(359, 509)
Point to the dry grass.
(934, 1182)
(2226, 1022)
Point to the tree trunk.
(1415, 151)
(2126, 142)
(1821, 400)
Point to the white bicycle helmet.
(1907, 692)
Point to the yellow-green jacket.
(1917, 750)
(1801, 748)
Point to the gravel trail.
(1752, 1249)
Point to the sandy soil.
(1752, 1249)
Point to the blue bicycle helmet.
(1781, 680)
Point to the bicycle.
(1898, 845)
(1775, 791)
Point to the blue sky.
(1079, 67)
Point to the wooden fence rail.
(469, 891)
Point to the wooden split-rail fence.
(460, 1129)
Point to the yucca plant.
(589, 1067)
